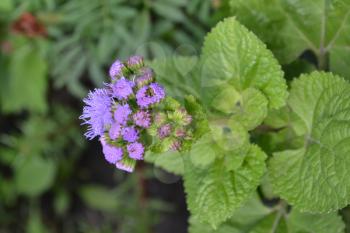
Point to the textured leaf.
(312, 178)
(178, 75)
(320, 223)
(254, 217)
(291, 27)
(202, 152)
(214, 193)
(234, 56)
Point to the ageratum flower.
(145, 78)
(149, 95)
(122, 88)
(135, 150)
(97, 113)
(130, 134)
(115, 131)
(116, 69)
(112, 153)
(128, 117)
(142, 119)
(121, 114)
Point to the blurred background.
(51, 53)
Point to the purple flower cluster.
(121, 112)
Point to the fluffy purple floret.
(122, 88)
(164, 131)
(121, 114)
(112, 153)
(151, 94)
(158, 91)
(142, 119)
(116, 69)
(97, 112)
(115, 131)
(135, 60)
(145, 78)
(130, 134)
(136, 150)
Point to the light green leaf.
(234, 56)
(254, 217)
(171, 161)
(214, 193)
(312, 178)
(26, 83)
(25, 87)
(34, 176)
(291, 27)
(202, 153)
(252, 110)
(228, 135)
(178, 74)
(320, 223)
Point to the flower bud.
(135, 62)
(164, 131)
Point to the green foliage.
(291, 27)
(213, 193)
(311, 178)
(254, 217)
(233, 56)
(123, 28)
(25, 85)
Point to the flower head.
(122, 88)
(149, 95)
(135, 61)
(142, 119)
(130, 134)
(164, 131)
(116, 69)
(112, 153)
(121, 114)
(97, 112)
(135, 150)
(115, 131)
(145, 78)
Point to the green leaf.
(178, 74)
(214, 193)
(25, 87)
(312, 178)
(254, 217)
(202, 153)
(171, 161)
(233, 56)
(34, 176)
(320, 223)
(99, 198)
(291, 27)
